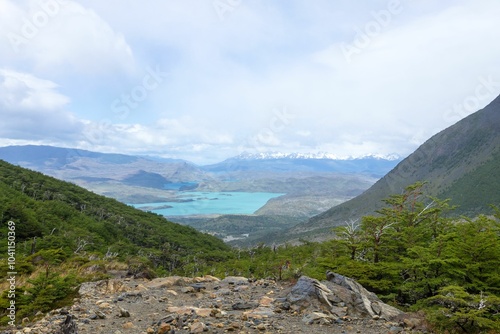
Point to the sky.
(204, 80)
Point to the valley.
(396, 235)
(265, 193)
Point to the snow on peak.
(318, 156)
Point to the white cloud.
(226, 77)
(31, 108)
(62, 36)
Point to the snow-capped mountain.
(373, 165)
(316, 156)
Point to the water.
(207, 203)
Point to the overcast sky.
(204, 80)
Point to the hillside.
(461, 162)
(83, 167)
(64, 216)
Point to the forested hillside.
(65, 234)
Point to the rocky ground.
(232, 305)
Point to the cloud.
(32, 109)
(227, 76)
(62, 36)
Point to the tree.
(350, 236)
(374, 233)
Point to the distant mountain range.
(372, 165)
(461, 162)
(316, 156)
(312, 182)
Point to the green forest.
(410, 252)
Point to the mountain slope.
(67, 217)
(461, 162)
(81, 165)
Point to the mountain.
(127, 178)
(76, 164)
(461, 162)
(372, 165)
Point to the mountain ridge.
(448, 157)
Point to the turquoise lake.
(208, 203)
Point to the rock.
(100, 315)
(104, 305)
(395, 330)
(241, 288)
(197, 327)
(206, 278)
(198, 287)
(233, 326)
(103, 287)
(316, 317)
(168, 319)
(244, 305)
(304, 289)
(235, 280)
(261, 327)
(187, 289)
(164, 328)
(361, 302)
(266, 301)
(259, 313)
(224, 292)
(124, 313)
(339, 311)
(164, 282)
(128, 325)
(203, 312)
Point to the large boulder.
(340, 296)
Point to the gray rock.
(235, 280)
(358, 300)
(124, 313)
(341, 296)
(198, 287)
(304, 289)
(100, 315)
(314, 317)
(339, 311)
(245, 305)
(395, 330)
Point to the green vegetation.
(65, 234)
(474, 189)
(409, 252)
